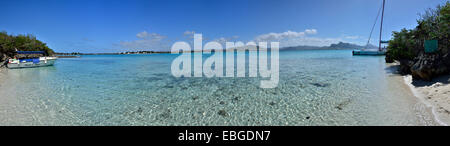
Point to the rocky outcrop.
(405, 66)
(426, 66)
(389, 59)
(424, 49)
(3, 60)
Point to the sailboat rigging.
(380, 50)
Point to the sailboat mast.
(381, 27)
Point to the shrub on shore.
(407, 46)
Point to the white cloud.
(223, 40)
(291, 38)
(146, 41)
(309, 41)
(305, 38)
(278, 36)
(352, 37)
(154, 41)
(187, 32)
(142, 34)
(311, 31)
(285, 35)
(149, 36)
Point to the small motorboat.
(27, 59)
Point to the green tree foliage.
(9, 44)
(402, 45)
(434, 24)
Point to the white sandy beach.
(435, 94)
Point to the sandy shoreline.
(2, 76)
(435, 94)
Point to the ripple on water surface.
(316, 88)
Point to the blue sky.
(120, 25)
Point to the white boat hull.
(368, 52)
(42, 62)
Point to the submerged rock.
(341, 105)
(222, 113)
(139, 110)
(168, 86)
(165, 114)
(321, 84)
(236, 98)
(151, 79)
(272, 103)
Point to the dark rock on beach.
(405, 66)
(427, 66)
(3, 59)
(389, 59)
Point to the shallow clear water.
(321, 87)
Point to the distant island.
(340, 45)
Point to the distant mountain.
(340, 45)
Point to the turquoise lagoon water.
(322, 87)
